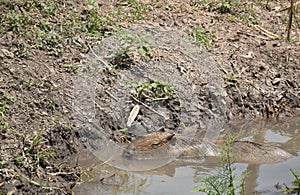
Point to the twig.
(61, 173)
(111, 95)
(138, 101)
(100, 59)
(265, 32)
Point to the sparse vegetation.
(134, 10)
(58, 29)
(33, 155)
(225, 182)
(235, 79)
(134, 48)
(35, 23)
(45, 34)
(238, 11)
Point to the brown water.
(180, 177)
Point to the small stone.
(276, 81)
(7, 53)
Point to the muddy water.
(180, 177)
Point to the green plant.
(146, 51)
(225, 182)
(2, 163)
(3, 125)
(51, 42)
(39, 85)
(235, 79)
(15, 22)
(92, 4)
(33, 182)
(170, 7)
(203, 37)
(232, 80)
(92, 22)
(225, 7)
(132, 48)
(71, 68)
(154, 91)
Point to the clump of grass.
(203, 37)
(35, 28)
(225, 182)
(154, 91)
(15, 22)
(33, 154)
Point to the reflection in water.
(269, 175)
(180, 177)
